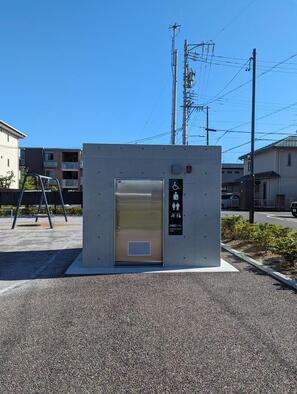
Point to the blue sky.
(99, 71)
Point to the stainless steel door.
(139, 217)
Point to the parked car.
(230, 201)
(294, 208)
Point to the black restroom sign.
(175, 206)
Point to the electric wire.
(236, 17)
(148, 138)
(259, 118)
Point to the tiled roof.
(288, 142)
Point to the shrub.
(270, 237)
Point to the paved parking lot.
(152, 333)
(29, 250)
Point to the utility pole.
(252, 206)
(185, 85)
(191, 53)
(174, 65)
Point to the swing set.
(43, 181)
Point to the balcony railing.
(50, 164)
(69, 182)
(70, 165)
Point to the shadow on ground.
(35, 264)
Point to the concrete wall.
(9, 151)
(103, 163)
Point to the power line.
(242, 59)
(231, 21)
(248, 142)
(233, 64)
(246, 83)
(151, 137)
(261, 117)
(248, 132)
(231, 80)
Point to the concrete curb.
(76, 268)
(269, 271)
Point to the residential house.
(62, 163)
(275, 174)
(9, 153)
(231, 172)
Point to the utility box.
(151, 205)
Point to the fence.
(32, 197)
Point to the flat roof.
(50, 149)
(233, 165)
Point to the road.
(152, 333)
(283, 218)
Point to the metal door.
(139, 221)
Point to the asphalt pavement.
(283, 218)
(31, 250)
(149, 333)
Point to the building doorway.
(138, 221)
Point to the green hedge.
(31, 211)
(270, 237)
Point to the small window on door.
(289, 162)
(8, 163)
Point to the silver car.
(230, 201)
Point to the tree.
(6, 180)
(30, 181)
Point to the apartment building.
(9, 153)
(275, 174)
(62, 163)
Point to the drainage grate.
(139, 248)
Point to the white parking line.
(279, 218)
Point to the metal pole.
(39, 207)
(185, 80)
(45, 200)
(174, 98)
(252, 203)
(174, 58)
(19, 202)
(207, 129)
(62, 200)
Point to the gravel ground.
(150, 333)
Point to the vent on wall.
(139, 248)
